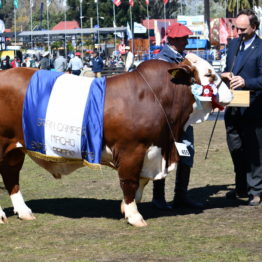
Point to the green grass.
(79, 220)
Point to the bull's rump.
(63, 118)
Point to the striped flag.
(131, 2)
(117, 2)
(147, 2)
(165, 2)
(16, 4)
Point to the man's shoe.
(233, 194)
(161, 204)
(187, 203)
(255, 201)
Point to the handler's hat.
(178, 30)
(78, 53)
(127, 47)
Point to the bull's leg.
(9, 169)
(3, 218)
(131, 162)
(139, 193)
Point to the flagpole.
(114, 14)
(65, 34)
(97, 17)
(131, 22)
(165, 15)
(31, 22)
(81, 24)
(15, 26)
(148, 33)
(47, 18)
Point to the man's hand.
(227, 76)
(237, 82)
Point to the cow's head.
(207, 87)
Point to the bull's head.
(207, 86)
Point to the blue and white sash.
(63, 117)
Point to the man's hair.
(253, 19)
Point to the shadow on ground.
(90, 207)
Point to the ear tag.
(174, 73)
(182, 149)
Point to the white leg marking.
(139, 193)
(23, 211)
(3, 218)
(132, 215)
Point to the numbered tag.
(182, 149)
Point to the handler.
(173, 52)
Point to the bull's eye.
(208, 75)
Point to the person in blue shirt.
(97, 64)
(173, 52)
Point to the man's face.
(243, 27)
(179, 43)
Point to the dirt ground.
(78, 217)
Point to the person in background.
(97, 64)
(244, 124)
(173, 52)
(5, 64)
(45, 61)
(75, 64)
(129, 59)
(60, 63)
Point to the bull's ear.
(181, 72)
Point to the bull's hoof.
(3, 220)
(27, 217)
(141, 223)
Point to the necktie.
(239, 58)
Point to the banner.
(131, 2)
(1, 4)
(165, 2)
(147, 2)
(48, 2)
(31, 3)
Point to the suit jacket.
(250, 68)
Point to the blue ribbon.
(197, 91)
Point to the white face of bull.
(205, 71)
(207, 76)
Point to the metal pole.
(148, 33)
(65, 35)
(81, 21)
(15, 26)
(97, 17)
(114, 13)
(131, 22)
(48, 36)
(31, 24)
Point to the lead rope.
(156, 98)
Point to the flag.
(0, 3)
(165, 2)
(147, 2)
(48, 2)
(31, 3)
(128, 32)
(64, 3)
(41, 14)
(117, 2)
(16, 4)
(131, 2)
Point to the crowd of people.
(243, 71)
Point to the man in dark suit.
(244, 124)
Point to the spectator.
(173, 52)
(97, 64)
(5, 64)
(60, 63)
(45, 61)
(244, 124)
(75, 64)
(129, 59)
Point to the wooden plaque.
(241, 98)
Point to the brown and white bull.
(145, 111)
